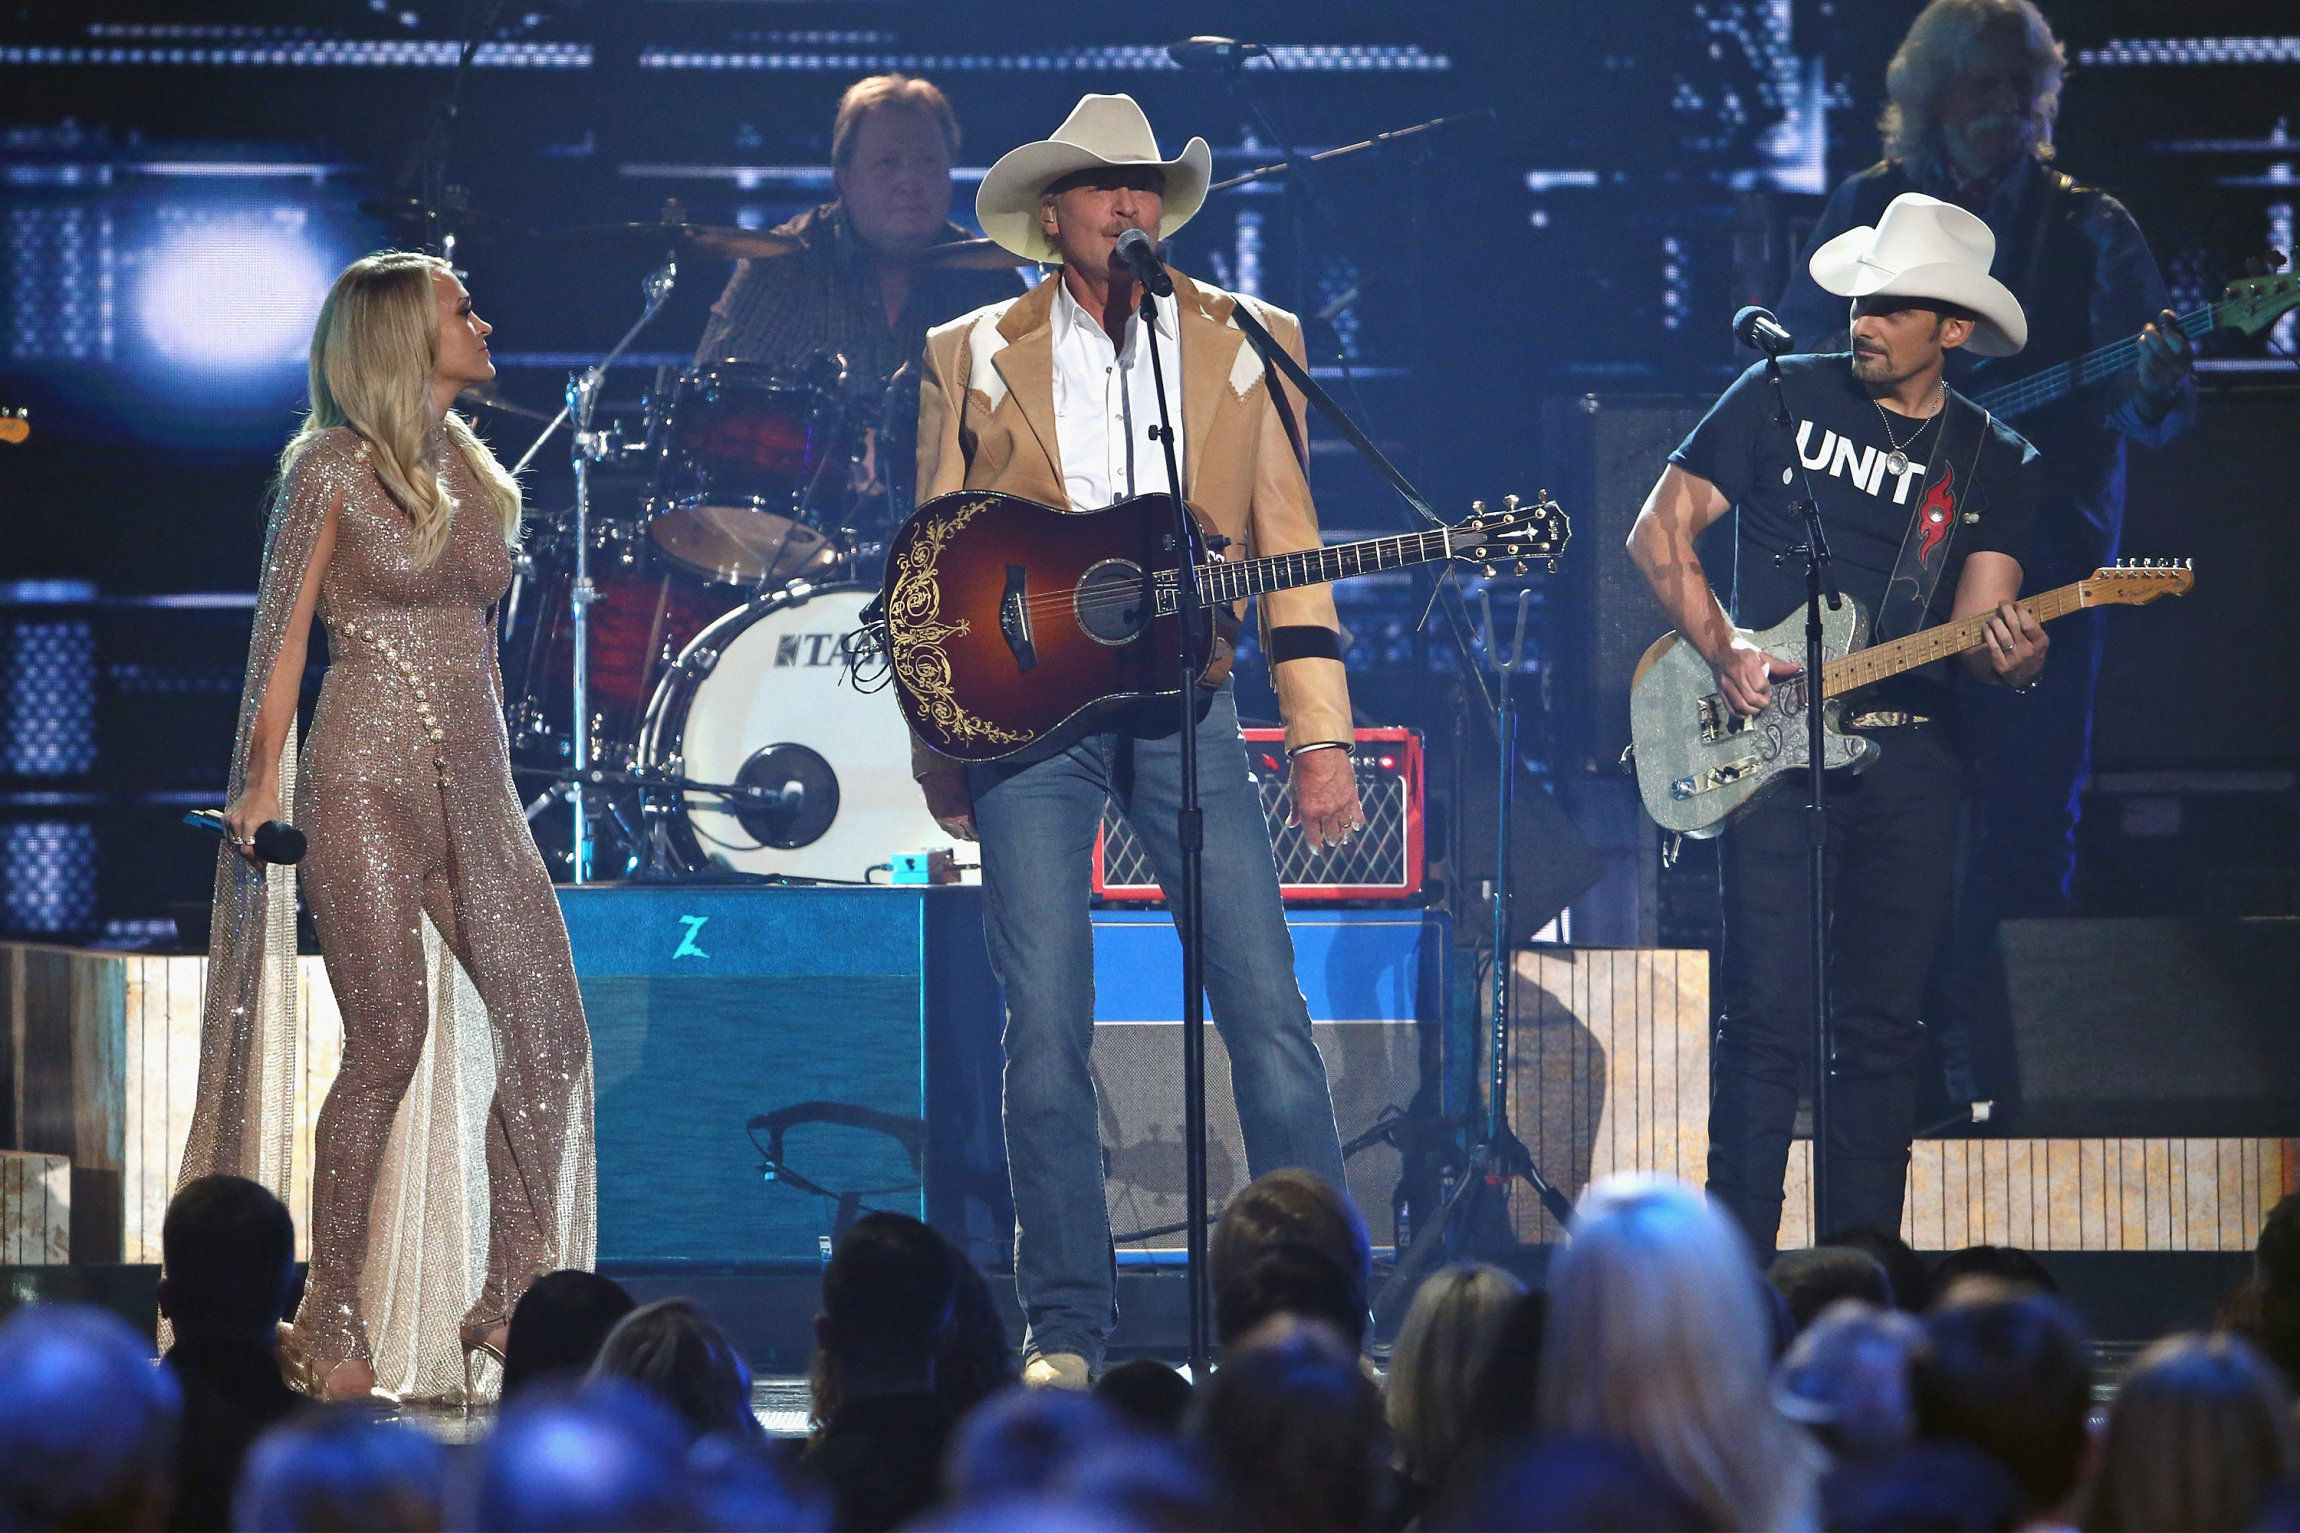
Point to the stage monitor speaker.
(1602, 455)
(1375, 981)
(863, 1023)
(2155, 1028)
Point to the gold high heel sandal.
(314, 1376)
(479, 1340)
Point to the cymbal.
(465, 223)
(970, 255)
(711, 239)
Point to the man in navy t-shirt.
(1923, 499)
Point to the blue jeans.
(1037, 821)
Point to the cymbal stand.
(587, 446)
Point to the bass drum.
(765, 697)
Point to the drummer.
(855, 285)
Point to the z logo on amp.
(686, 947)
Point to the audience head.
(87, 1424)
(2200, 1433)
(1586, 1484)
(2267, 1309)
(1015, 1444)
(1912, 1281)
(1291, 1279)
(227, 1252)
(558, 1326)
(2011, 1376)
(2004, 1264)
(1448, 1334)
(890, 1294)
(733, 1484)
(1810, 1281)
(607, 1455)
(1156, 1484)
(1659, 1339)
(1505, 1399)
(1147, 1394)
(1293, 1428)
(1940, 1487)
(1847, 1378)
(340, 1468)
(675, 1351)
(977, 1359)
(1287, 1207)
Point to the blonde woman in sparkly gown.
(394, 528)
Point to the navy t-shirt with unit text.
(1980, 494)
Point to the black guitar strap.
(1275, 355)
(1947, 501)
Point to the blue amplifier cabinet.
(1376, 985)
(859, 1027)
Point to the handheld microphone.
(1757, 329)
(1212, 53)
(276, 840)
(1135, 248)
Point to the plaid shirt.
(825, 297)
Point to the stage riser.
(1375, 984)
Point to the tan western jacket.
(986, 422)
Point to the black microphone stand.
(1190, 829)
(1820, 585)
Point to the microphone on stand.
(1214, 53)
(1758, 330)
(1135, 248)
(276, 840)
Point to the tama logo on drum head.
(815, 649)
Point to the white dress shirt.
(1105, 402)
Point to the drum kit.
(717, 562)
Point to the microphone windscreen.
(278, 841)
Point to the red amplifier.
(1383, 862)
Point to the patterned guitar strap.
(1946, 503)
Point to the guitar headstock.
(2133, 582)
(2254, 303)
(1515, 532)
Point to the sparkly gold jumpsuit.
(407, 799)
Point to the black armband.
(1304, 641)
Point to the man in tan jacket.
(1051, 396)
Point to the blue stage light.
(233, 295)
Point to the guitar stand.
(1472, 1215)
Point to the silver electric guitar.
(1699, 762)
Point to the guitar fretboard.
(1316, 566)
(2042, 388)
(1865, 667)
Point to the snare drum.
(765, 697)
(748, 461)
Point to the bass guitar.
(2250, 306)
(1699, 762)
(1005, 619)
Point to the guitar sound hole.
(1113, 602)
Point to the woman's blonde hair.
(1657, 1338)
(372, 353)
(1947, 39)
(1442, 1349)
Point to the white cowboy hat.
(1100, 131)
(1926, 248)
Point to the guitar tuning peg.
(1521, 566)
(1477, 508)
(1489, 572)
(1510, 501)
(1553, 564)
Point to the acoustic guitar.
(1005, 620)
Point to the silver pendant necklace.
(1897, 461)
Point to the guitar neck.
(1866, 667)
(1222, 582)
(2042, 388)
